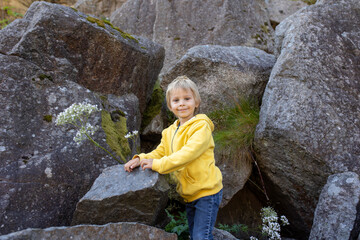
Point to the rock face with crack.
(180, 25)
(309, 124)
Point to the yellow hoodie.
(188, 152)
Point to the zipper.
(172, 140)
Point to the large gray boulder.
(281, 9)
(223, 75)
(100, 8)
(309, 124)
(43, 58)
(69, 45)
(337, 212)
(111, 231)
(180, 25)
(119, 196)
(44, 172)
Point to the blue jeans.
(201, 215)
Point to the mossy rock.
(115, 133)
(154, 106)
(101, 23)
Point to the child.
(187, 151)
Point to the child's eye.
(187, 99)
(175, 100)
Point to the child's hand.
(133, 163)
(146, 163)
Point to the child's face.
(183, 104)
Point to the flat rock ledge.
(119, 196)
(85, 232)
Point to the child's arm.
(200, 140)
(159, 152)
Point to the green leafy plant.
(236, 228)
(271, 227)
(268, 230)
(8, 15)
(4, 23)
(10, 12)
(178, 224)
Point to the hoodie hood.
(194, 119)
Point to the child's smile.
(183, 104)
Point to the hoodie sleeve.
(198, 142)
(158, 152)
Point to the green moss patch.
(154, 106)
(99, 22)
(102, 22)
(43, 77)
(47, 118)
(309, 2)
(265, 28)
(125, 35)
(115, 134)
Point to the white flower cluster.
(88, 129)
(270, 226)
(132, 134)
(76, 114)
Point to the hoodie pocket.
(188, 177)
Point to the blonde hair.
(185, 83)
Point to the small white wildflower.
(265, 229)
(253, 238)
(132, 134)
(270, 226)
(274, 226)
(284, 220)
